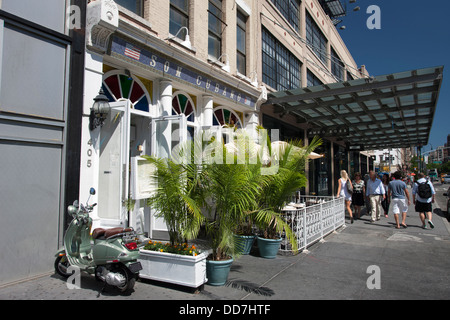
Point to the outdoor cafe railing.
(311, 219)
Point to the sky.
(414, 34)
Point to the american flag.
(133, 52)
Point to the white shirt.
(416, 187)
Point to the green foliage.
(226, 196)
(178, 198)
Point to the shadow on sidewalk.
(249, 287)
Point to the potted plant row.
(229, 199)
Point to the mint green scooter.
(109, 254)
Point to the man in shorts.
(423, 203)
(398, 191)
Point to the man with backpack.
(423, 197)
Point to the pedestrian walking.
(385, 203)
(375, 194)
(366, 179)
(359, 190)
(400, 199)
(423, 197)
(345, 190)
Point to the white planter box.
(183, 270)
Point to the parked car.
(447, 179)
(448, 202)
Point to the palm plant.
(234, 190)
(178, 197)
(291, 159)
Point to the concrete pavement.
(408, 263)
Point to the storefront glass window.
(320, 172)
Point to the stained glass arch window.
(182, 103)
(119, 86)
(226, 118)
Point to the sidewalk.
(413, 263)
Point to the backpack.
(424, 190)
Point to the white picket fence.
(311, 219)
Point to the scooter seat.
(101, 233)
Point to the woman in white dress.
(344, 192)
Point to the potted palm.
(291, 159)
(233, 189)
(178, 199)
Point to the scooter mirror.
(92, 191)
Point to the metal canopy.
(391, 111)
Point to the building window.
(281, 69)
(313, 80)
(316, 39)
(226, 118)
(241, 36)
(337, 67)
(215, 21)
(135, 6)
(290, 9)
(179, 17)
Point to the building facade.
(180, 65)
(41, 90)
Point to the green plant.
(178, 198)
(291, 159)
(233, 189)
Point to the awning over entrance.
(391, 111)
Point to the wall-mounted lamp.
(187, 40)
(99, 111)
(225, 67)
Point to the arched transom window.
(226, 118)
(119, 87)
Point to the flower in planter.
(182, 249)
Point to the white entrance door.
(167, 133)
(114, 166)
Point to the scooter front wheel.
(61, 265)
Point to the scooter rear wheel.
(130, 280)
(61, 265)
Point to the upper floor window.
(241, 45)
(316, 39)
(135, 6)
(179, 17)
(337, 67)
(215, 28)
(281, 69)
(313, 80)
(290, 9)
